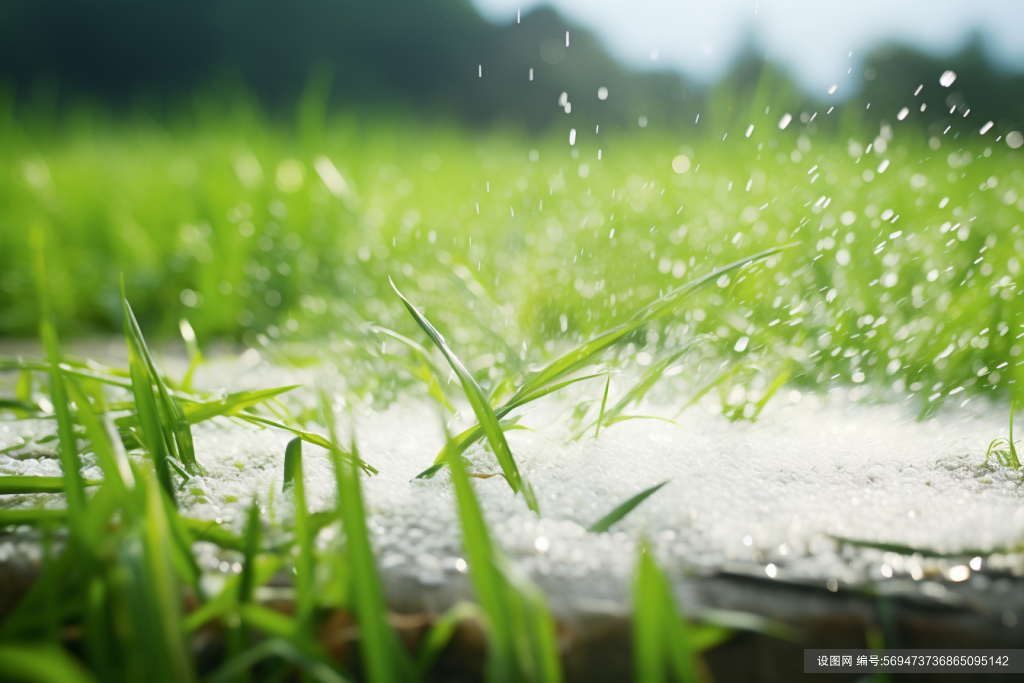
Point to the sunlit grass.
(906, 276)
(130, 552)
(1005, 450)
(787, 257)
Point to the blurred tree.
(893, 73)
(440, 57)
(423, 54)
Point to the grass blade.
(172, 417)
(247, 585)
(385, 660)
(238, 635)
(108, 448)
(657, 309)
(648, 380)
(606, 522)
(481, 408)
(486, 581)
(31, 517)
(149, 419)
(521, 632)
(661, 640)
(292, 463)
(772, 389)
(233, 669)
(231, 404)
(22, 409)
(200, 411)
(308, 437)
(441, 633)
(99, 641)
(194, 354)
(604, 401)
(69, 460)
(151, 592)
(68, 369)
(427, 370)
(23, 394)
(294, 480)
(41, 664)
(28, 484)
(608, 422)
(458, 444)
(722, 377)
(732, 620)
(226, 602)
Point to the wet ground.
(762, 517)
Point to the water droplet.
(681, 164)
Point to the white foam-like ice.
(774, 491)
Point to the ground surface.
(761, 498)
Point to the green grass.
(1005, 450)
(772, 262)
(620, 511)
(485, 414)
(128, 575)
(227, 219)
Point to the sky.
(814, 38)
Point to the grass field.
(904, 275)
(881, 260)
